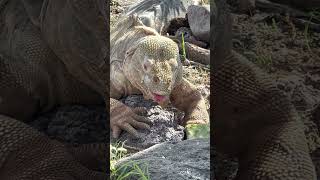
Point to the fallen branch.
(189, 40)
(132, 149)
(301, 23)
(269, 6)
(197, 54)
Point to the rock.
(189, 159)
(247, 5)
(225, 167)
(174, 25)
(188, 37)
(74, 124)
(164, 126)
(154, 18)
(199, 21)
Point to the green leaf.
(195, 131)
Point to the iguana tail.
(166, 6)
(124, 24)
(161, 11)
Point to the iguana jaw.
(160, 98)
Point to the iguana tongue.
(158, 98)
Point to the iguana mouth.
(159, 98)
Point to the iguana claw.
(125, 118)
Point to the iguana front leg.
(125, 118)
(187, 98)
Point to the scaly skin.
(51, 64)
(252, 119)
(143, 62)
(27, 154)
(45, 61)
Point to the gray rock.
(189, 159)
(74, 124)
(225, 167)
(199, 21)
(164, 126)
(247, 5)
(153, 17)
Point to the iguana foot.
(128, 119)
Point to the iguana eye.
(156, 79)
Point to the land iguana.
(52, 53)
(252, 119)
(144, 62)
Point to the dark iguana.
(252, 119)
(45, 64)
(52, 53)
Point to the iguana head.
(157, 66)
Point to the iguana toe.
(126, 118)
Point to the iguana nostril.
(156, 79)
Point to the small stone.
(199, 21)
